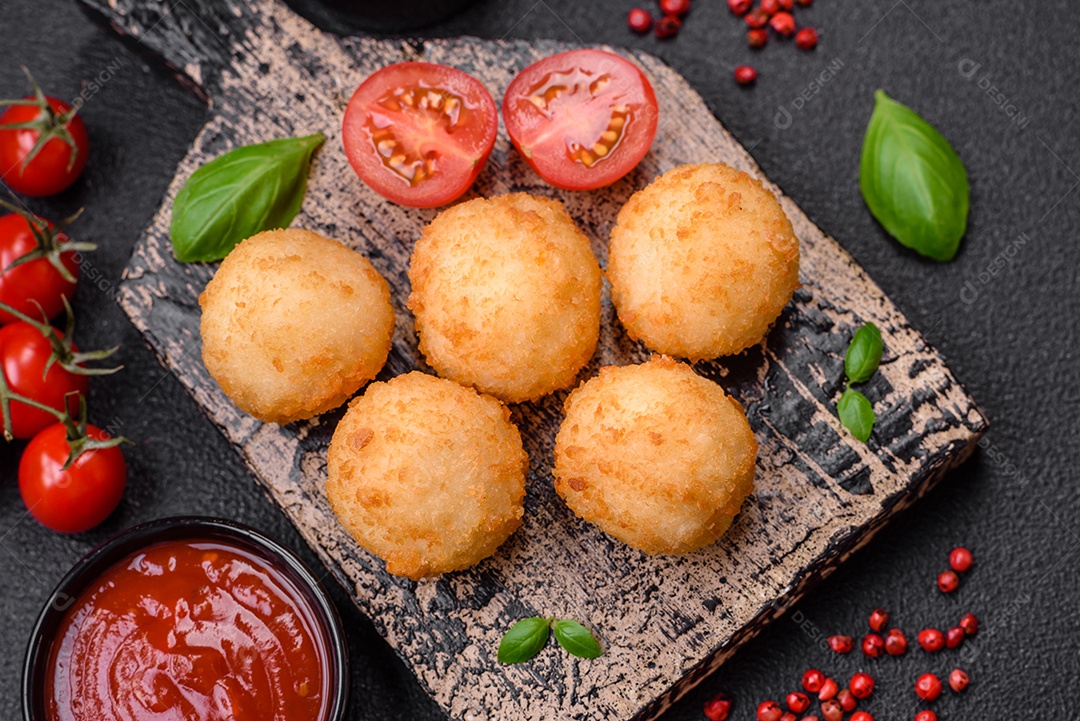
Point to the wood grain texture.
(666, 622)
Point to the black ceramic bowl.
(322, 611)
(377, 15)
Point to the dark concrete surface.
(997, 78)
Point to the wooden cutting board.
(666, 622)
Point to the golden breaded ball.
(702, 262)
(506, 293)
(294, 323)
(655, 455)
(427, 474)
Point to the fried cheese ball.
(701, 262)
(506, 293)
(427, 474)
(655, 455)
(294, 323)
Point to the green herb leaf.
(576, 639)
(524, 640)
(864, 354)
(856, 414)
(913, 181)
(245, 191)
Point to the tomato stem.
(49, 123)
(48, 243)
(62, 352)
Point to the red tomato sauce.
(189, 631)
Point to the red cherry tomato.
(59, 160)
(79, 498)
(582, 119)
(24, 352)
(419, 133)
(37, 285)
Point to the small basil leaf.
(576, 639)
(864, 354)
(524, 640)
(913, 181)
(234, 196)
(856, 414)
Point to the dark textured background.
(1011, 337)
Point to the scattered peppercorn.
(862, 685)
(797, 702)
(675, 7)
(970, 624)
(668, 26)
(927, 687)
(861, 716)
(931, 640)
(895, 642)
(958, 680)
(718, 707)
(813, 680)
(740, 7)
(846, 700)
(757, 37)
(769, 711)
(873, 645)
(948, 581)
(789, 717)
(961, 559)
(756, 18)
(841, 644)
(831, 711)
(927, 715)
(787, 5)
(745, 75)
(954, 637)
(828, 691)
(770, 7)
(879, 619)
(783, 23)
(806, 39)
(639, 20)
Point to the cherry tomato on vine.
(76, 499)
(24, 353)
(43, 144)
(36, 285)
(418, 134)
(582, 119)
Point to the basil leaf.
(234, 196)
(856, 414)
(524, 640)
(864, 354)
(913, 181)
(576, 639)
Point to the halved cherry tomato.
(419, 133)
(582, 119)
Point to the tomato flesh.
(420, 133)
(582, 119)
(54, 168)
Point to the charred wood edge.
(838, 551)
(194, 39)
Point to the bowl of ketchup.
(183, 619)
